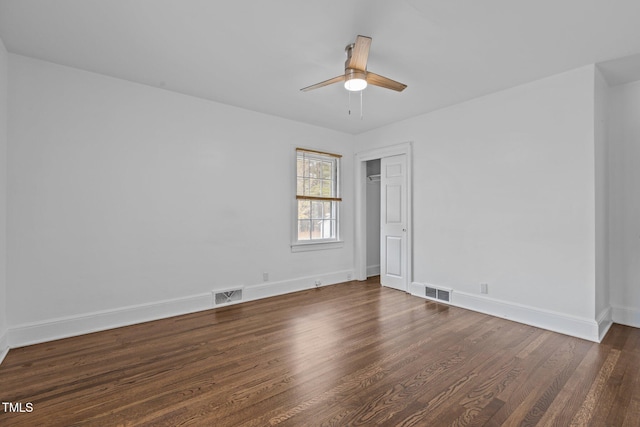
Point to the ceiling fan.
(356, 77)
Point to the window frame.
(317, 244)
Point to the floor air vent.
(437, 294)
(227, 297)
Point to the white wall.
(624, 202)
(602, 309)
(3, 200)
(504, 195)
(124, 195)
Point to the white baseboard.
(64, 327)
(417, 289)
(373, 270)
(626, 316)
(4, 346)
(604, 323)
(546, 319)
(270, 289)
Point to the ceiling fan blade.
(385, 82)
(324, 83)
(359, 54)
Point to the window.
(317, 196)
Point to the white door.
(393, 220)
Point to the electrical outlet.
(348, 276)
(265, 277)
(484, 288)
(318, 283)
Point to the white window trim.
(316, 245)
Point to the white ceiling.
(257, 54)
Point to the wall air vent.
(227, 296)
(437, 294)
(443, 295)
(431, 292)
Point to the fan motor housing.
(350, 73)
(349, 51)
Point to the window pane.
(304, 228)
(300, 187)
(307, 187)
(317, 210)
(327, 229)
(315, 187)
(313, 168)
(305, 170)
(299, 167)
(319, 169)
(327, 188)
(327, 210)
(304, 209)
(316, 229)
(327, 168)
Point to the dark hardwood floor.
(349, 354)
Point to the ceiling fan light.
(355, 80)
(355, 84)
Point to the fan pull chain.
(361, 113)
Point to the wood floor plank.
(349, 354)
(567, 402)
(621, 382)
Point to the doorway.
(394, 215)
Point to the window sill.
(316, 246)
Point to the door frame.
(360, 169)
